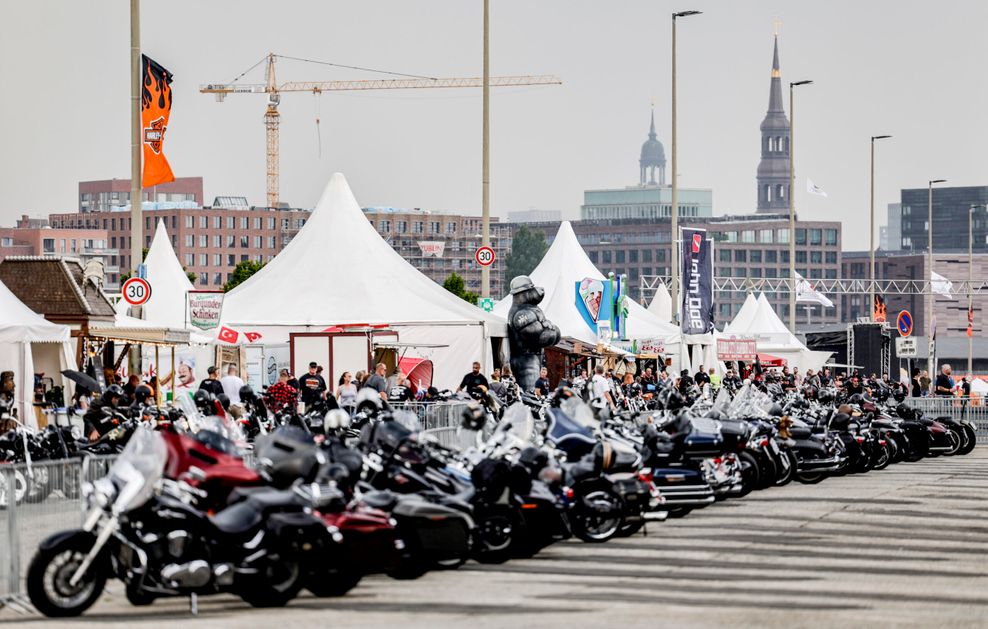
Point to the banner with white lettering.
(205, 309)
(697, 301)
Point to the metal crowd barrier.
(433, 415)
(36, 501)
(974, 408)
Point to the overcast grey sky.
(914, 69)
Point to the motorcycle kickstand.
(194, 604)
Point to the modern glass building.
(950, 218)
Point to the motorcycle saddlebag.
(438, 532)
(634, 492)
(298, 530)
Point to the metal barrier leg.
(13, 537)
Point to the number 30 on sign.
(136, 291)
(485, 256)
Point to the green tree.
(242, 272)
(455, 284)
(191, 275)
(527, 248)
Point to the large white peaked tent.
(565, 264)
(661, 305)
(30, 343)
(758, 319)
(339, 271)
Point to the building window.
(244, 222)
(203, 241)
(816, 257)
(190, 240)
(831, 257)
(740, 255)
(231, 222)
(244, 242)
(418, 227)
(801, 257)
(258, 242)
(48, 245)
(606, 257)
(765, 236)
(231, 260)
(594, 257)
(730, 236)
(174, 221)
(218, 241)
(217, 259)
(218, 279)
(204, 222)
(784, 258)
(450, 227)
(402, 227)
(646, 255)
(299, 223)
(257, 222)
(619, 256)
(434, 227)
(190, 221)
(147, 224)
(771, 256)
(113, 244)
(272, 222)
(384, 226)
(771, 273)
(800, 236)
(831, 236)
(724, 255)
(633, 256)
(782, 236)
(190, 259)
(203, 259)
(231, 242)
(816, 236)
(755, 255)
(272, 242)
(203, 279)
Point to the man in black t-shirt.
(311, 386)
(944, 385)
(472, 382)
(853, 386)
(400, 392)
(542, 385)
(212, 383)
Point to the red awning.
(768, 360)
(418, 371)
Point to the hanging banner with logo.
(880, 314)
(432, 248)
(205, 308)
(697, 301)
(737, 348)
(156, 107)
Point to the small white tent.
(169, 283)
(339, 271)
(565, 264)
(29, 342)
(661, 305)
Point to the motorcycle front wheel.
(810, 478)
(273, 587)
(597, 517)
(970, 442)
(52, 568)
(785, 476)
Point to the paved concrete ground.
(904, 547)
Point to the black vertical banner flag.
(697, 301)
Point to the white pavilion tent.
(661, 305)
(758, 319)
(30, 343)
(565, 264)
(339, 271)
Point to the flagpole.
(970, 295)
(136, 222)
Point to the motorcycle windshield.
(517, 423)
(138, 469)
(581, 413)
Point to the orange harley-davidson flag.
(156, 106)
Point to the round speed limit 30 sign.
(485, 256)
(136, 291)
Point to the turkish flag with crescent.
(227, 335)
(252, 336)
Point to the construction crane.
(272, 118)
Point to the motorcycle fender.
(57, 538)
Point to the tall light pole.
(970, 279)
(674, 210)
(792, 205)
(871, 234)
(930, 358)
(485, 230)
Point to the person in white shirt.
(600, 388)
(232, 383)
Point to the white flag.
(812, 188)
(807, 294)
(941, 285)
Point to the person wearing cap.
(212, 382)
(312, 386)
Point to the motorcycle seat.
(383, 500)
(580, 470)
(238, 520)
(797, 431)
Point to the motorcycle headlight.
(103, 492)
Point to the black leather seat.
(383, 500)
(238, 520)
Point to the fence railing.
(433, 415)
(37, 500)
(972, 408)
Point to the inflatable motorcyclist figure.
(528, 331)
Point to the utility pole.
(674, 209)
(485, 230)
(931, 361)
(136, 200)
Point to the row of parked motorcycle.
(329, 498)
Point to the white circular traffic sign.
(485, 256)
(136, 291)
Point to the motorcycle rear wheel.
(630, 528)
(274, 587)
(49, 573)
(597, 517)
(810, 478)
(956, 441)
(750, 473)
(882, 456)
(972, 440)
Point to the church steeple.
(653, 156)
(773, 170)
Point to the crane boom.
(386, 84)
(272, 119)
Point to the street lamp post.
(871, 235)
(674, 210)
(792, 205)
(485, 229)
(970, 279)
(930, 358)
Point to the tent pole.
(157, 373)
